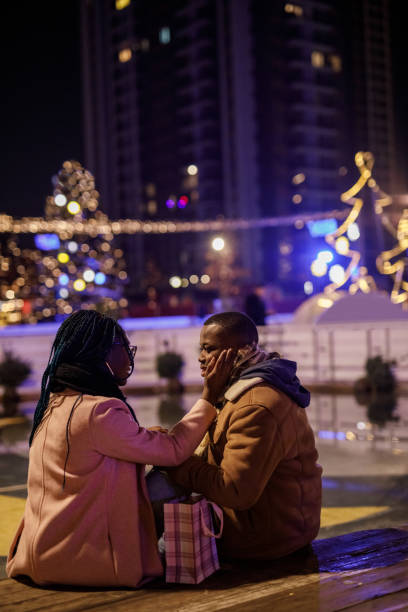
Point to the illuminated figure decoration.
(399, 292)
(62, 271)
(347, 232)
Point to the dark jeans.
(161, 490)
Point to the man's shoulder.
(256, 391)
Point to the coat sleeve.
(114, 433)
(251, 454)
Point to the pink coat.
(98, 530)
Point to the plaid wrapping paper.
(191, 551)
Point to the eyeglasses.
(132, 348)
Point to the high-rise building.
(201, 108)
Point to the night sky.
(41, 99)
(41, 102)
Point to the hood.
(280, 373)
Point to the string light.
(399, 292)
(337, 239)
(61, 268)
(102, 225)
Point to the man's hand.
(217, 374)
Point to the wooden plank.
(339, 573)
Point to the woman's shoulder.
(89, 403)
(102, 403)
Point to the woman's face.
(118, 360)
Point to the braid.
(85, 335)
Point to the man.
(259, 458)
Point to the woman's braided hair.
(85, 336)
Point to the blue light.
(47, 242)
(321, 227)
(100, 278)
(164, 35)
(63, 279)
(331, 435)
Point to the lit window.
(294, 9)
(125, 55)
(150, 190)
(121, 4)
(164, 35)
(335, 61)
(317, 59)
(144, 44)
(152, 207)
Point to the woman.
(88, 519)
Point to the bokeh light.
(342, 245)
(318, 267)
(72, 246)
(89, 276)
(100, 278)
(73, 207)
(175, 282)
(60, 199)
(79, 284)
(336, 274)
(308, 287)
(353, 232)
(218, 243)
(326, 256)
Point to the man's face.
(214, 339)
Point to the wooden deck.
(365, 570)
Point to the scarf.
(87, 379)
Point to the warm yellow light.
(298, 178)
(336, 63)
(295, 9)
(192, 169)
(205, 279)
(121, 4)
(73, 207)
(297, 198)
(325, 302)
(63, 257)
(125, 55)
(194, 279)
(317, 59)
(79, 284)
(342, 245)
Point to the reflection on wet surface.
(340, 420)
(337, 420)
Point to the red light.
(183, 201)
